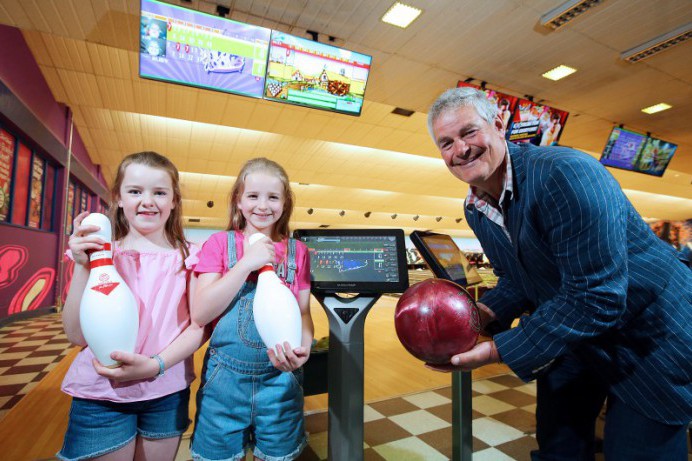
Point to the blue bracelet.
(162, 366)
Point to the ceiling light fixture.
(415, 218)
(342, 212)
(394, 216)
(559, 72)
(558, 17)
(658, 44)
(661, 106)
(310, 211)
(438, 219)
(458, 220)
(403, 112)
(401, 15)
(367, 214)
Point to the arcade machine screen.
(316, 75)
(444, 258)
(356, 261)
(188, 47)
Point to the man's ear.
(499, 125)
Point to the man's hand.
(482, 354)
(486, 316)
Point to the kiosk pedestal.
(345, 373)
(367, 262)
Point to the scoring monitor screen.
(444, 258)
(358, 261)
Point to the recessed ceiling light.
(656, 108)
(401, 15)
(559, 72)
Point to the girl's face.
(146, 197)
(262, 202)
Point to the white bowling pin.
(108, 312)
(275, 308)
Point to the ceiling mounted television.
(316, 75)
(445, 258)
(638, 152)
(505, 103)
(356, 260)
(185, 46)
(537, 124)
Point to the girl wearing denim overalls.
(251, 396)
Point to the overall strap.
(291, 261)
(231, 249)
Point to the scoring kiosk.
(447, 262)
(364, 263)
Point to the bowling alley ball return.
(363, 263)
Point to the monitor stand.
(345, 373)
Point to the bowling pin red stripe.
(101, 262)
(265, 269)
(100, 258)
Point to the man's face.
(472, 148)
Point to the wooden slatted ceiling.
(87, 52)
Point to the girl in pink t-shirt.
(251, 396)
(139, 410)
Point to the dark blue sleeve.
(582, 210)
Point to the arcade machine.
(365, 264)
(446, 261)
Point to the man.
(610, 305)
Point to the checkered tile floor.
(29, 349)
(414, 427)
(419, 426)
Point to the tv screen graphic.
(505, 103)
(537, 124)
(185, 46)
(316, 75)
(637, 152)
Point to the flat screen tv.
(188, 47)
(444, 258)
(356, 260)
(634, 151)
(537, 124)
(316, 75)
(505, 103)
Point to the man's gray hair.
(455, 98)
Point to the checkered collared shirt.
(484, 202)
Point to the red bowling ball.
(436, 319)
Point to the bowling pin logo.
(275, 308)
(108, 312)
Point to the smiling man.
(609, 304)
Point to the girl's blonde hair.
(261, 165)
(174, 225)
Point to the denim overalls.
(243, 401)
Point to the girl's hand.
(134, 366)
(258, 254)
(80, 241)
(287, 359)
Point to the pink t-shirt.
(213, 258)
(160, 287)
